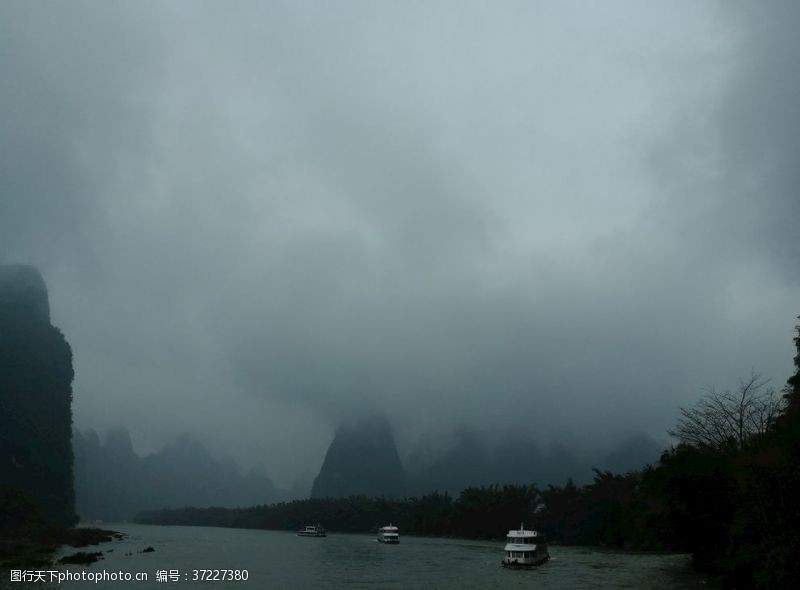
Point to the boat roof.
(521, 532)
(388, 528)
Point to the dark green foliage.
(738, 507)
(766, 529)
(35, 397)
(488, 513)
(623, 511)
(432, 513)
(594, 514)
(792, 390)
(700, 499)
(478, 513)
(19, 515)
(599, 513)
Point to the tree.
(792, 390)
(729, 419)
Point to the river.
(276, 559)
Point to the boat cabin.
(525, 548)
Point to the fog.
(258, 219)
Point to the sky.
(258, 219)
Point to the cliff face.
(362, 459)
(35, 396)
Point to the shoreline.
(38, 548)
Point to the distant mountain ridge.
(362, 459)
(472, 460)
(114, 483)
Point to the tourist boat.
(388, 534)
(525, 548)
(312, 530)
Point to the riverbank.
(37, 548)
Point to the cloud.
(257, 220)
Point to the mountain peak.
(362, 459)
(23, 291)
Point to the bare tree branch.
(726, 419)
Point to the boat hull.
(312, 531)
(525, 564)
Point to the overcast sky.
(258, 218)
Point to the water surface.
(275, 559)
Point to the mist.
(258, 221)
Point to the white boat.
(312, 530)
(525, 548)
(388, 534)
